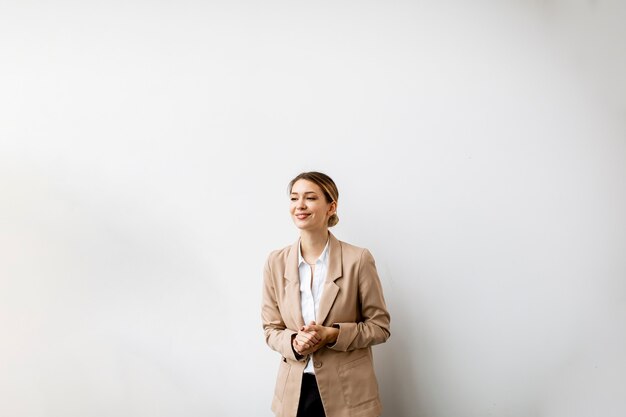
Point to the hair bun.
(333, 220)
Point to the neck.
(312, 243)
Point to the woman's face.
(309, 208)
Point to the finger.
(311, 329)
(300, 347)
(305, 341)
(311, 350)
(314, 331)
(306, 337)
(314, 337)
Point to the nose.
(301, 203)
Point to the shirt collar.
(323, 256)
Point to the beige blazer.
(353, 300)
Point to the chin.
(298, 223)
(302, 225)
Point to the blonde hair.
(331, 193)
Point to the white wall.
(145, 149)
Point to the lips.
(302, 216)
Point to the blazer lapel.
(330, 288)
(292, 289)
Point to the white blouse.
(310, 295)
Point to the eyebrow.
(306, 192)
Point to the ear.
(332, 209)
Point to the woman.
(323, 309)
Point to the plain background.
(145, 149)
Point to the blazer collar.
(334, 261)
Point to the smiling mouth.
(302, 216)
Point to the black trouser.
(310, 401)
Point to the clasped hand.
(312, 337)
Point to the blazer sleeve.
(374, 327)
(277, 336)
